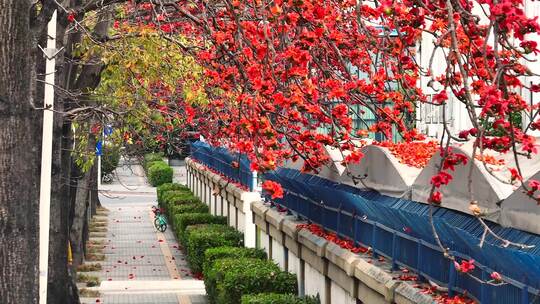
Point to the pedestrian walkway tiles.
(141, 264)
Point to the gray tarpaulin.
(521, 211)
(490, 185)
(382, 172)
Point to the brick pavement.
(141, 265)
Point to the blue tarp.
(221, 160)
(400, 229)
(348, 211)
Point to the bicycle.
(160, 222)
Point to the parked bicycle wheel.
(162, 227)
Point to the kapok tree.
(279, 71)
(285, 69)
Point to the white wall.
(339, 295)
(315, 283)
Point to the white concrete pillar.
(249, 227)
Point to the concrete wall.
(337, 275)
(223, 198)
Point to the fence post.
(374, 240)
(395, 249)
(419, 259)
(525, 293)
(188, 177)
(355, 219)
(253, 184)
(484, 289)
(451, 279)
(338, 220)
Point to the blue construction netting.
(221, 160)
(400, 230)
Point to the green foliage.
(133, 66)
(109, 159)
(83, 152)
(202, 237)
(277, 298)
(183, 220)
(231, 278)
(169, 196)
(173, 198)
(182, 200)
(213, 254)
(150, 158)
(159, 173)
(168, 187)
(187, 208)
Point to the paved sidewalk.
(141, 264)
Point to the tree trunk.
(19, 156)
(94, 195)
(76, 234)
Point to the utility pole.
(46, 160)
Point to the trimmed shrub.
(181, 221)
(151, 157)
(205, 236)
(277, 298)
(213, 254)
(169, 187)
(229, 279)
(177, 197)
(188, 208)
(109, 159)
(159, 173)
(179, 200)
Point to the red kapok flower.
(436, 198)
(442, 178)
(273, 188)
(515, 174)
(71, 17)
(465, 266)
(496, 276)
(534, 184)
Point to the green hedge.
(187, 208)
(177, 197)
(202, 237)
(182, 200)
(109, 159)
(162, 189)
(229, 279)
(213, 254)
(278, 298)
(151, 157)
(183, 220)
(160, 173)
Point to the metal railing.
(235, 167)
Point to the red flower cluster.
(273, 188)
(414, 154)
(285, 79)
(489, 159)
(71, 17)
(465, 266)
(332, 237)
(534, 186)
(442, 178)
